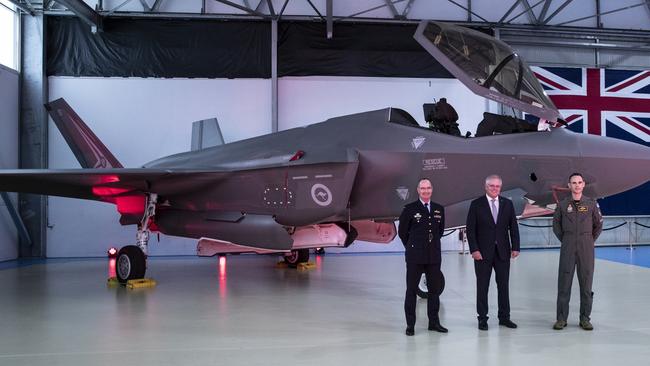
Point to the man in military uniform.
(421, 225)
(577, 222)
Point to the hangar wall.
(9, 91)
(143, 119)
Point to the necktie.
(426, 205)
(495, 213)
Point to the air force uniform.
(577, 224)
(420, 229)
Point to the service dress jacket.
(420, 232)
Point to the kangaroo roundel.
(321, 194)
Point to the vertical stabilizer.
(85, 145)
(206, 133)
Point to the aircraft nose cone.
(615, 165)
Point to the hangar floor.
(348, 310)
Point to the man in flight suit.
(577, 222)
(421, 225)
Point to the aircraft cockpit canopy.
(487, 66)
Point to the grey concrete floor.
(346, 311)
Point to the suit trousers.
(413, 274)
(483, 270)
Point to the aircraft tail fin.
(206, 133)
(86, 146)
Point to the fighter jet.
(345, 179)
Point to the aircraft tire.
(297, 256)
(130, 264)
(423, 290)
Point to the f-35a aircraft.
(344, 179)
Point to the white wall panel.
(306, 100)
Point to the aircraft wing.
(126, 188)
(487, 66)
(104, 184)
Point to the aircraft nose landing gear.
(131, 263)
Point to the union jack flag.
(614, 103)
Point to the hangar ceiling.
(602, 33)
(602, 14)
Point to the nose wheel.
(131, 264)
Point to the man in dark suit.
(493, 237)
(421, 225)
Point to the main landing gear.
(131, 261)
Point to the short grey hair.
(491, 177)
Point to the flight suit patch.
(582, 209)
(569, 209)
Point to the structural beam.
(156, 5)
(26, 8)
(407, 9)
(525, 11)
(368, 10)
(542, 14)
(315, 9)
(512, 8)
(15, 217)
(271, 9)
(556, 12)
(531, 15)
(329, 19)
(274, 75)
(392, 8)
(600, 14)
(145, 6)
(84, 12)
(284, 6)
(468, 10)
(33, 152)
(241, 7)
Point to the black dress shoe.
(410, 331)
(438, 328)
(508, 323)
(482, 325)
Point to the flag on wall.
(613, 103)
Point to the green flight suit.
(577, 225)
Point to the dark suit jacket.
(482, 232)
(416, 225)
